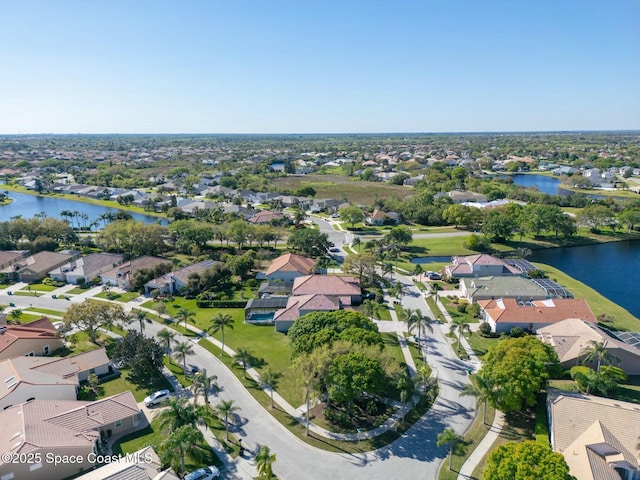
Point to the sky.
(318, 66)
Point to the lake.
(543, 183)
(30, 205)
(612, 269)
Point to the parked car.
(434, 276)
(206, 473)
(156, 398)
(334, 249)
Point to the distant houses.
(174, 281)
(480, 265)
(36, 338)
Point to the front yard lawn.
(120, 297)
(40, 287)
(121, 384)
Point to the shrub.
(221, 303)
(485, 329)
(516, 332)
(462, 308)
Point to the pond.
(28, 206)
(544, 184)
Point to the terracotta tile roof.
(290, 262)
(141, 465)
(60, 423)
(39, 329)
(315, 302)
(265, 216)
(538, 311)
(73, 364)
(326, 285)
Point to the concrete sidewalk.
(483, 447)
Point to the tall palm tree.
(451, 438)
(371, 308)
(459, 325)
(479, 389)
(416, 318)
(166, 336)
(224, 409)
(182, 350)
(141, 317)
(179, 443)
(219, 322)
(356, 242)
(264, 463)
(306, 371)
(184, 314)
(597, 352)
(178, 412)
(241, 358)
(204, 383)
(270, 379)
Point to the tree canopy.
(309, 242)
(516, 369)
(527, 460)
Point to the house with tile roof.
(36, 267)
(9, 257)
(570, 337)
(300, 305)
(480, 265)
(177, 280)
(122, 275)
(48, 378)
(503, 314)
(487, 288)
(597, 436)
(85, 269)
(286, 268)
(33, 339)
(346, 287)
(45, 429)
(378, 217)
(265, 217)
(141, 465)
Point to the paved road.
(414, 456)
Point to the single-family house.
(48, 378)
(85, 269)
(378, 217)
(286, 268)
(122, 275)
(49, 428)
(177, 280)
(487, 288)
(265, 217)
(564, 170)
(37, 266)
(480, 265)
(460, 196)
(571, 337)
(35, 338)
(597, 436)
(345, 287)
(503, 314)
(9, 257)
(141, 465)
(300, 305)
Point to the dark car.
(434, 276)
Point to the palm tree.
(184, 314)
(270, 379)
(219, 322)
(179, 443)
(264, 463)
(182, 350)
(204, 383)
(306, 371)
(224, 409)
(597, 352)
(451, 438)
(356, 242)
(241, 358)
(371, 308)
(15, 315)
(479, 389)
(459, 325)
(417, 318)
(141, 316)
(166, 336)
(177, 414)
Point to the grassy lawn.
(480, 344)
(152, 435)
(24, 293)
(177, 370)
(40, 287)
(299, 430)
(120, 297)
(598, 303)
(46, 311)
(434, 308)
(77, 291)
(628, 392)
(121, 384)
(28, 318)
(79, 342)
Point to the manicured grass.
(77, 291)
(436, 311)
(40, 287)
(152, 435)
(46, 311)
(121, 384)
(479, 344)
(629, 392)
(28, 318)
(24, 293)
(392, 346)
(177, 370)
(120, 297)
(598, 303)
(79, 342)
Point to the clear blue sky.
(303, 66)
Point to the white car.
(206, 473)
(156, 398)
